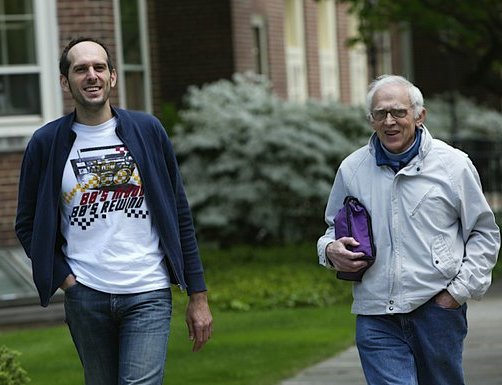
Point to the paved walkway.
(482, 355)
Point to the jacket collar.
(69, 119)
(398, 161)
(66, 136)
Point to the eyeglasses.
(395, 112)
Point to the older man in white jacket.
(436, 242)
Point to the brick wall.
(342, 22)
(274, 12)
(197, 42)
(242, 36)
(10, 164)
(89, 18)
(155, 53)
(194, 41)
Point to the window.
(384, 55)
(18, 60)
(406, 52)
(260, 47)
(134, 90)
(328, 50)
(295, 50)
(29, 81)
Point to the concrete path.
(482, 355)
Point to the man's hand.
(68, 282)
(342, 258)
(199, 320)
(445, 300)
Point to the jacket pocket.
(442, 257)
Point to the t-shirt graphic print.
(111, 244)
(108, 179)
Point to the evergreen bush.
(11, 372)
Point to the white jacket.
(432, 226)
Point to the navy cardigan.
(38, 221)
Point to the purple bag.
(353, 220)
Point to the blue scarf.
(397, 161)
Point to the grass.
(275, 312)
(261, 347)
(245, 278)
(248, 348)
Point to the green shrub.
(462, 118)
(257, 168)
(169, 117)
(11, 372)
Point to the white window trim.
(51, 97)
(328, 58)
(296, 67)
(145, 55)
(384, 52)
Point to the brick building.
(160, 48)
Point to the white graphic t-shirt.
(111, 245)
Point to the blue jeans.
(422, 347)
(121, 339)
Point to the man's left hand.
(445, 300)
(199, 320)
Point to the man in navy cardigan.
(103, 215)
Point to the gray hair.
(415, 95)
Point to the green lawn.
(248, 348)
(275, 312)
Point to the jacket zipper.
(370, 233)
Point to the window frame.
(122, 67)
(259, 26)
(329, 67)
(47, 67)
(296, 61)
